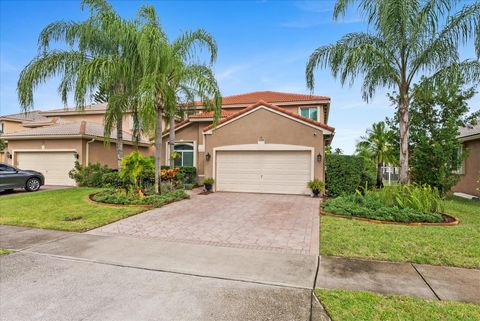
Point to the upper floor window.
(2, 128)
(185, 152)
(309, 112)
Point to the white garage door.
(284, 172)
(53, 165)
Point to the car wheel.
(33, 184)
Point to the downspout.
(87, 151)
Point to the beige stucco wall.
(106, 154)
(44, 144)
(292, 108)
(274, 128)
(468, 181)
(98, 152)
(12, 126)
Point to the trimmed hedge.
(344, 174)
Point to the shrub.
(134, 167)
(122, 198)
(89, 176)
(345, 174)
(316, 184)
(208, 181)
(421, 198)
(360, 206)
(186, 174)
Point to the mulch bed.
(448, 220)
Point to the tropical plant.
(100, 56)
(377, 143)
(167, 69)
(316, 184)
(2, 144)
(405, 39)
(208, 181)
(133, 166)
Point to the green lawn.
(66, 210)
(450, 245)
(366, 306)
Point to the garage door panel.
(263, 171)
(53, 165)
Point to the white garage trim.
(263, 147)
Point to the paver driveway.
(283, 223)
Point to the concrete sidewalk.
(248, 265)
(19, 238)
(417, 280)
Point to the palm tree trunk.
(171, 140)
(403, 107)
(379, 175)
(158, 151)
(119, 144)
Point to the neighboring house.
(470, 170)
(267, 142)
(51, 141)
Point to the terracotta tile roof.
(268, 96)
(280, 109)
(209, 114)
(27, 117)
(71, 129)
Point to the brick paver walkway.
(283, 223)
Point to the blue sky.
(263, 45)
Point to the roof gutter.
(87, 151)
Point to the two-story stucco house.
(268, 142)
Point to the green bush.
(122, 198)
(186, 174)
(372, 208)
(316, 184)
(345, 174)
(91, 175)
(136, 171)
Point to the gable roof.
(261, 103)
(26, 117)
(82, 128)
(269, 96)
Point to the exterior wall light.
(9, 155)
(319, 157)
(208, 156)
(76, 155)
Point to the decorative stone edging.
(454, 220)
(91, 200)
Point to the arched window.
(186, 155)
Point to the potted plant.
(207, 183)
(316, 186)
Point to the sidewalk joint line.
(424, 280)
(69, 258)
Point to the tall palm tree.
(406, 38)
(167, 68)
(98, 58)
(377, 143)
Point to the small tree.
(133, 166)
(377, 143)
(437, 113)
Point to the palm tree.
(407, 38)
(377, 144)
(166, 72)
(101, 61)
